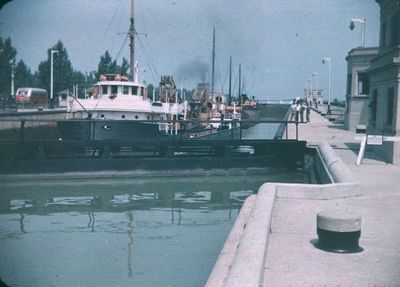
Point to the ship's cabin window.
(134, 90)
(125, 90)
(104, 90)
(123, 116)
(102, 116)
(136, 117)
(142, 92)
(114, 89)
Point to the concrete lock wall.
(242, 260)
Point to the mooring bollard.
(338, 231)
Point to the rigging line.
(122, 46)
(108, 28)
(147, 53)
(153, 69)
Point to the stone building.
(357, 94)
(384, 82)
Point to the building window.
(363, 84)
(390, 106)
(373, 105)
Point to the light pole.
(324, 60)
(52, 52)
(362, 22)
(12, 78)
(315, 74)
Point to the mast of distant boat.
(213, 65)
(132, 33)
(230, 81)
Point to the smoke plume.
(195, 70)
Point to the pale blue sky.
(279, 43)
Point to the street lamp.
(362, 22)
(324, 60)
(52, 52)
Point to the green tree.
(63, 73)
(109, 66)
(23, 76)
(124, 68)
(104, 64)
(7, 60)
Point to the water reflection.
(93, 229)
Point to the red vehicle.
(32, 97)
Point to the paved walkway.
(292, 259)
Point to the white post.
(154, 94)
(52, 52)
(362, 150)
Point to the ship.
(121, 109)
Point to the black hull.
(107, 130)
(130, 130)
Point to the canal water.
(110, 231)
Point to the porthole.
(136, 117)
(102, 116)
(123, 116)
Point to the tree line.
(64, 74)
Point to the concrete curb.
(248, 260)
(248, 265)
(338, 170)
(318, 192)
(227, 255)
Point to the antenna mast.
(132, 33)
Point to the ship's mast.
(230, 81)
(213, 64)
(132, 33)
(240, 83)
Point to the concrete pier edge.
(248, 262)
(227, 254)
